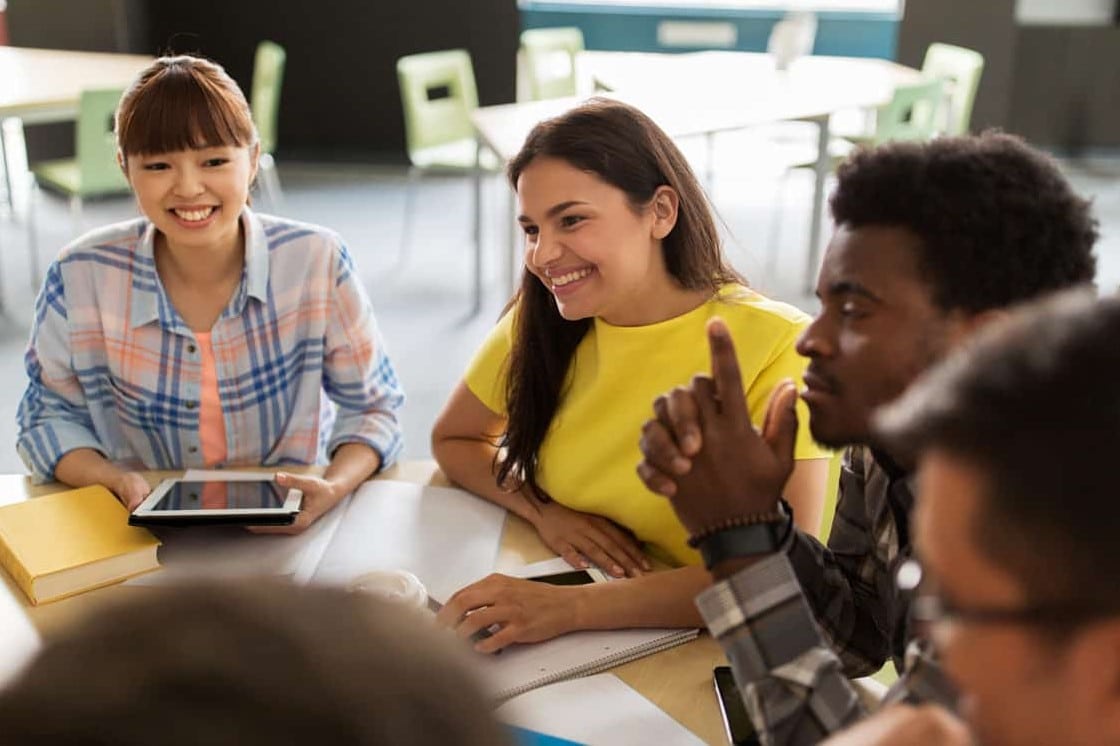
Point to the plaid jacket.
(112, 366)
(796, 625)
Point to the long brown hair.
(624, 148)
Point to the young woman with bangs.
(623, 270)
(203, 334)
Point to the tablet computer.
(176, 502)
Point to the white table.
(703, 93)
(678, 680)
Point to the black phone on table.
(585, 576)
(736, 723)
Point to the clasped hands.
(702, 452)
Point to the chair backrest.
(911, 113)
(960, 68)
(264, 97)
(438, 95)
(550, 55)
(95, 144)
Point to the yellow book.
(69, 542)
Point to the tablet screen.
(221, 496)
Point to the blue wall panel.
(634, 28)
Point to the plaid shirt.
(793, 673)
(112, 366)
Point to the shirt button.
(191, 349)
(192, 449)
(191, 404)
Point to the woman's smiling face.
(598, 254)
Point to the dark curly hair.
(998, 222)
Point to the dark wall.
(85, 25)
(1055, 85)
(987, 26)
(1066, 87)
(340, 97)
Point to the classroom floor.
(421, 299)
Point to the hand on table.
(581, 538)
(702, 452)
(319, 496)
(130, 488)
(525, 611)
(927, 725)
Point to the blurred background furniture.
(92, 172)
(548, 58)
(438, 95)
(264, 100)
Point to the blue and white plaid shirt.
(301, 365)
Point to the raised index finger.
(725, 368)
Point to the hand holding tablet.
(257, 502)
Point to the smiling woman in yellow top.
(623, 270)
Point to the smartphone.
(736, 723)
(573, 577)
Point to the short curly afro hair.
(998, 222)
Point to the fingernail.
(617, 571)
(646, 565)
(681, 465)
(691, 442)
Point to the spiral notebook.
(520, 668)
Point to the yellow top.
(588, 459)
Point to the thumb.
(286, 479)
(780, 428)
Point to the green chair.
(960, 69)
(549, 61)
(92, 172)
(268, 78)
(911, 114)
(438, 94)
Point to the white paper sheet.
(231, 551)
(18, 639)
(446, 537)
(520, 668)
(595, 710)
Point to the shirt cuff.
(748, 594)
(385, 441)
(42, 447)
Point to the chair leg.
(407, 218)
(773, 241)
(270, 182)
(33, 232)
(476, 302)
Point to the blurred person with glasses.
(1017, 525)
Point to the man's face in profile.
(877, 330)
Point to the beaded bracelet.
(779, 515)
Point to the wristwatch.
(746, 541)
